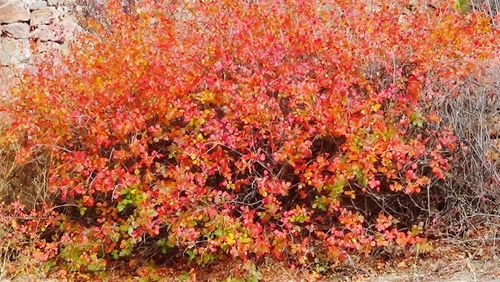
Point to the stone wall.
(29, 28)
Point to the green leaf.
(417, 119)
(183, 277)
(124, 252)
(362, 180)
(82, 210)
(254, 274)
(462, 5)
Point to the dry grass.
(472, 191)
(26, 183)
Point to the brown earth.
(455, 260)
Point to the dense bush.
(245, 128)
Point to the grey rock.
(37, 5)
(14, 51)
(70, 28)
(47, 33)
(15, 30)
(61, 2)
(43, 16)
(44, 47)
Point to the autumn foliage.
(297, 129)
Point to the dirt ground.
(477, 260)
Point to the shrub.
(287, 128)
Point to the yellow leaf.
(230, 239)
(376, 107)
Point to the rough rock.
(15, 30)
(44, 47)
(70, 28)
(14, 51)
(37, 5)
(31, 28)
(13, 11)
(61, 2)
(43, 16)
(7, 78)
(47, 33)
